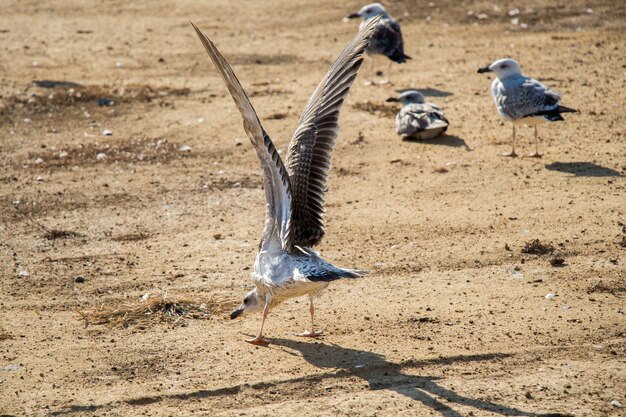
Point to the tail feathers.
(554, 115)
(398, 56)
(355, 273)
(563, 109)
(337, 274)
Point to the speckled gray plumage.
(518, 96)
(421, 121)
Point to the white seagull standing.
(418, 119)
(285, 265)
(523, 100)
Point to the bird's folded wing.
(275, 177)
(311, 146)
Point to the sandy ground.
(452, 321)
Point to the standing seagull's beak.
(353, 16)
(392, 100)
(483, 70)
(236, 313)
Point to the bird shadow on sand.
(341, 363)
(583, 169)
(445, 140)
(382, 374)
(428, 92)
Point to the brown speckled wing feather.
(310, 149)
(275, 178)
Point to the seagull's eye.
(246, 300)
(368, 11)
(503, 66)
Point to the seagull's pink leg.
(312, 332)
(537, 154)
(512, 153)
(260, 340)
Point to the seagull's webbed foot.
(535, 155)
(313, 334)
(259, 341)
(511, 154)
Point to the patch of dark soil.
(611, 287)
(376, 109)
(48, 96)
(133, 150)
(259, 59)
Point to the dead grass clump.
(131, 237)
(157, 309)
(536, 247)
(610, 287)
(5, 335)
(51, 234)
(376, 108)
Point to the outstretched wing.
(275, 177)
(310, 149)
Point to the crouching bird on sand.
(285, 265)
(523, 100)
(418, 119)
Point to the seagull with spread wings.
(286, 266)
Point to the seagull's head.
(251, 303)
(369, 11)
(502, 68)
(409, 96)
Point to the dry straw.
(154, 309)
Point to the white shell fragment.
(616, 404)
(101, 156)
(107, 132)
(23, 274)
(550, 296)
(185, 148)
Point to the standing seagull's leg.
(260, 340)
(388, 79)
(536, 154)
(312, 332)
(512, 153)
(370, 71)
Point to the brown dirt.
(452, 321)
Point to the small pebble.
(101, 156)
(40, 178)
(79, 279)
(23, 274)
(107, 132)
(616, 404)
(185, 148)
